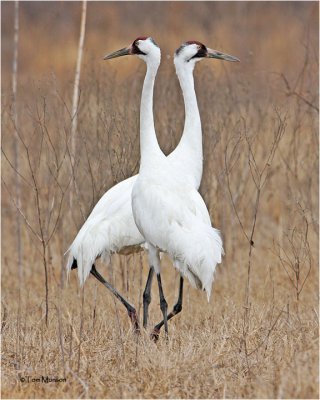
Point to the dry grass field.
(258, 336)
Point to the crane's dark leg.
(176, 309)
(147, 296)
(163, 305)
(131, 310)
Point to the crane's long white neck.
(149, 147)
(190, 144)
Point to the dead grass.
(204, 357)
(218, 350)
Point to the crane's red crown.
(141, 38)
(195, 42)
(134, 44)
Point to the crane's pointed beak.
(221, 56)
(119, 53)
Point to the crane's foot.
(134, 320)
(155, 334)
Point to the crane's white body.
(110, 228)
(167, 209)
(173, 217)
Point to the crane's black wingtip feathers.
(74, 264)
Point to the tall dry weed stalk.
(16, 161)
(76, 91)
(16, 126)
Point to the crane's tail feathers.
(198, 260)
(91, 243)
(80, 258)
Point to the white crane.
(168, 210)
(110, 227)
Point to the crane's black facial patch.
(202, 52)
(135, 49)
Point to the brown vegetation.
(258, 336)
